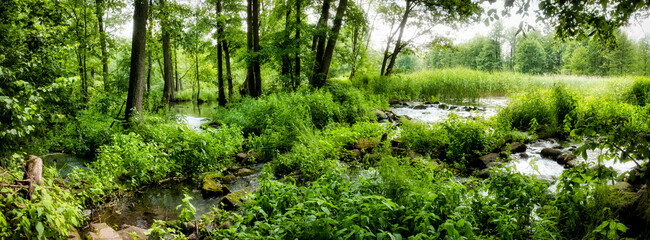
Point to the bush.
(639, 93)
(528, 110)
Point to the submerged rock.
(490, 157)
(484, 174)
(242, 172)
(420, 106)
(517, 147)
(380, 114)
(551, 153)
(233, 200)
(565, 158)
(524, 155)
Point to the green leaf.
(40, 229)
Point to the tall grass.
(458, 84)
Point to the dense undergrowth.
(343, 175)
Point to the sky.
(638, 28)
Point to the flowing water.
(194, 115)
(160, 202)
(437, 112)
(531, 162)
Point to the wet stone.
(131, 232)
(101, 231)
(420, 106)
(524, 155)
(517, 147)
(551, 153)
(242, 172)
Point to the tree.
(581, 20)
(530, 56)
(221, 44)
(622, 58)
(253, 46)
(324, 51)
(168, 78)
(135, 95)
(435, 11)
(579, 61)
(99, 11)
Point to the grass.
(458, 84)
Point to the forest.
(326, 119)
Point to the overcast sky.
(637, 29)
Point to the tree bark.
(398, 44)
(355, 40)
(198, 85)
(226, 51)
(220, 44)
(250, 78)
(102, 43)
(296, 81)
(137, 74)
(168, 90)
(256, 48)
(286, 57)
(320, 75)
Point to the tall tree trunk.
(355, 49)
(149, 62)
(226, 51)
(286, 57)
(137, 74)
(320, 75)
(256, 48)
(398, 44)
(296, 71)
(220, 44)
(84, 82)
(168, 90)
(177, 85)
(198, 85)
(249, 47)
(320, 36)
(102, 43)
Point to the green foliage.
(530, 57)
(275, 122)
(51, 213)
(639, 93)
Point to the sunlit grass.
(464, 84)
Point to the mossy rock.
(233, 200)
(211, 187)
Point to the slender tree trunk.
(256, 48)
(296, 81)
(250, 79)
(84, 83)
(138, 49)
(220, 45)
(168, 90)
(320, 36)
(286, 57)
(149, 65)
(226, 51)
(398, 44)
(320, 75)
(102, 42)
(177, 85)
(355, 50)
(198, 85)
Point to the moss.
(233, 200)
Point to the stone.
(420, 106)
(380, 114)
(551, 153)
(242, 172)
(508, 140)
(524, 155)
(211, 187)
(234, 199)
(395, 142)
(565, 158)
(624, 186)
(241, 157)
(484, 174)
(132, 232)
(490, 157)
(101, 231)
(363, 143)
(571, 164)
(494, 164)
(230, 178)
(73, 235)
(517, 147)
(394, 101)
(443, 106)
